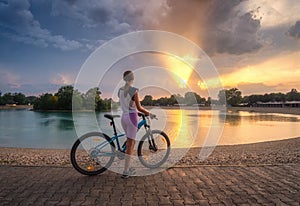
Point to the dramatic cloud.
(294, 31)
(244, 38)
(18, 24)
(112, 16)
(216, 27)
(240, 37)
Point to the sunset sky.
(255, 44)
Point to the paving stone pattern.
(202, 185)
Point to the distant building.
(199, 105)
(180, 105)
(11, 105)
(278, 104)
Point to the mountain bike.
(94, 152)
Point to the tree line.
(62, 99)
(16, 98)
(67, 98)
(189, 98)
(234, 97)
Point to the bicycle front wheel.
(154, 149)
(92, 153)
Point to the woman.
(130, 104)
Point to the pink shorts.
(129, 123)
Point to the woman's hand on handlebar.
(152, 116)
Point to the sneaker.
(128, 173)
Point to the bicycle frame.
(116, 136)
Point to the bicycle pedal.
(120, 155)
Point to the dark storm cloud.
(101, 19)
(294, 31)
(113, 17)
(217, 26)
(240, 39)
(100, 15)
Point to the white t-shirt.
(127, 102)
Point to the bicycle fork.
(152, 145)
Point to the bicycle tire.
(75, 162)
(141, 149)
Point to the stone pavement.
(203, 185)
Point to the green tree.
(252, 99)
(91, 98)
(173, 100)
(193, 98)
(64, 95)
(278, 97)
(147, 101)
(222, 97)
(163, 101)
(180, 99)
(8, 98)
(46, 102)
(293, 95)
(233, 96)
(104, 104)
(1, 99)
(208, 102)
(31, 99)
(77, 101)
(20, 98)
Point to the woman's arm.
(140, 107)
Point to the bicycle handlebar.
(142, 114)
(145, 115)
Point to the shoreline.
(17, 107)
(264, 153)
(278, 110)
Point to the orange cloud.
(282, 69)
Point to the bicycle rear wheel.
(92, 153)
(154, 149)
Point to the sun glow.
(271, 72)
(181, 70)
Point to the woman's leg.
(129, 150)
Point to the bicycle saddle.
(111, 117)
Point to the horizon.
(155, 97)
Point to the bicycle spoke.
(92, 154)
(154, 149)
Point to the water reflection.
(65, 124)
(233, 119)
(185, 128)
(63, 121)
(245, 127)
(270, 117)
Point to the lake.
(186, 128)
